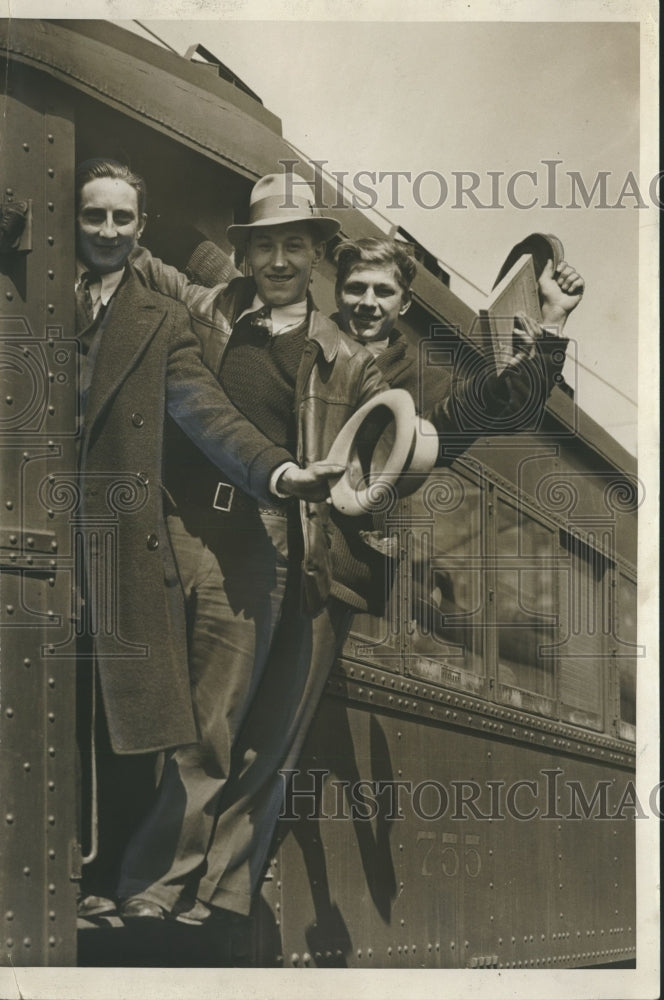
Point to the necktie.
(261, 320)
(84, 308)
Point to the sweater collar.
(240, 295)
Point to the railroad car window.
(526, 608)
(584, 629)
(376, 639)
(445, 634)
(626, 663)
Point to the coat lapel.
(237, 296)
(325, 332)
(134, 316)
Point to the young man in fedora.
(373, 291)
(256, 578)
(139, 360)
(247, 798)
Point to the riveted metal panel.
(38, 424)
(554, 873)
(487, 867)
(200, 119)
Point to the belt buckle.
(223, 497)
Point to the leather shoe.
(94, 906)
(196, 916)
(136, 908)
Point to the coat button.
(137, 419)
(153, 542)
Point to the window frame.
(488, 561)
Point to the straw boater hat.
(387, 450)
(274, 203)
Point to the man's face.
(281, 259)
(108, 224)
(370, 301)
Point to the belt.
(227, 498)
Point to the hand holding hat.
(310, 483)
(387, 452)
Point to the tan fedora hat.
(388, 452)
(541, 246)
(276, 202)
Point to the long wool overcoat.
(148, 363)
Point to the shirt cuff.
(276, 475)
(553, 331)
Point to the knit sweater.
(258, 374)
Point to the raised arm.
(540, 348)
(199, 299)
(473, 402)
(560, 293)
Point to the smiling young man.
(374, 277)
(463, 400)
(256, 578)
(373, 291)
(141, 361)
(259, 703)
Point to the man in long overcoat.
(139, 361)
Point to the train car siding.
(463, 798)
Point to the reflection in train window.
(447, 617)
(445, 633)
(518, 534)
(376, 639)
(626, 663)
(446, 519)
(544, 628)
(585, 625)
(526, 607)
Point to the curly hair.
(372, 250)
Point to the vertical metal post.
(38, 840)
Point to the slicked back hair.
(91, 170)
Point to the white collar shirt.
(282, 318)
(100, 291)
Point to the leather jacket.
(335, 377)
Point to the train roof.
(204, 106)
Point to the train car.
(465, 797)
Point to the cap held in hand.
(387, 451)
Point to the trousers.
(258, 666)
(271, 739)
